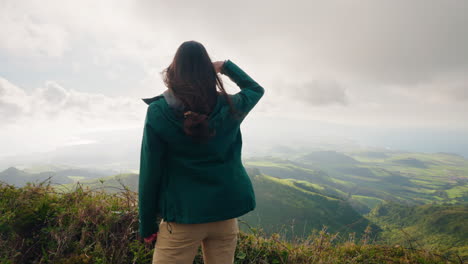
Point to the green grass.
(431, 225)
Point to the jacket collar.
(170, 98)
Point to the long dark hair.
(193, 80)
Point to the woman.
(191, 173)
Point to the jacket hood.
(173, 101)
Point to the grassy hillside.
(39, 225)
(431, 226)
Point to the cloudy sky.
(69, 69)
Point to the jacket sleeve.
(152, 150)
(251, 91)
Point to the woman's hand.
(151, 238)
(218, 65)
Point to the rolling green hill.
(416, 197)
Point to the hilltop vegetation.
(39, 225)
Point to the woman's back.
(186, 181)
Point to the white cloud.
(52, 116)
(11, 101)
(53, 93)
(52, 102)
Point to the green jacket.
(187, 182)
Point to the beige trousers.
(179, 243)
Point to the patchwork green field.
(366, 179)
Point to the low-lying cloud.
(52, 116)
